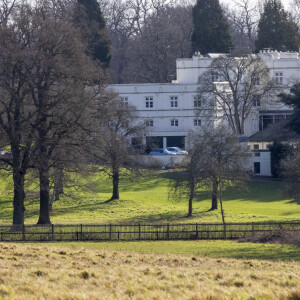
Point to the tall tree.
(234, 85)
(216, 159)
(276, 29)
(118, 123)
(89, 18)
(293, 100)
(211, 31)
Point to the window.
(256, 146)
(215, 76)
(197, 101)
(256, 101)
(149, 102)
(149, 123)
(125, 101)
(174, 122)
(257, 154)
(197, 122)
(174, 101)
(257, 168)
(255, 80)
(279, 78)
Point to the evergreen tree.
(89, 17)
(276, 29)
(211, 31)
(293, 100)
(279, 151)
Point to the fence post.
(52, 231)
(252, 229)
(81, 233)
(118, 235)
(1, 237)
(196, 231)
(110, 232)
(23, 232)
(139, 231)
(168, 231)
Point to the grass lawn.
(57, 272)
(146, 199)
(214, 249)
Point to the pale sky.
(284, 2)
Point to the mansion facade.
(171, 110)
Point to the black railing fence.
(113, 232)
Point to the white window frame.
(149, 123)
(197, 102)
(149, 102)
(215, 77)
(174, 101)
(174, 122)
(125, 101)
(197, 122)
(279, 78)
(256, 101)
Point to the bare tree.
(45, 85)
(112, 150)
(233, 85)
(216, 160)
(147, 36)
(243, 18)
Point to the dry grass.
(41, 272)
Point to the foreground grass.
(215, 249)
(43, 272)
(146, 200)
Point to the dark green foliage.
(211, 31)
(276, 29)
(293, 100)
(279, 151)
(89, 18)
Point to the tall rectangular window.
(279, 78)
(255, 80)
(149, 102)
(197, 122)
(215, 76)
(174, 122)
(256, 101)
(125, 101)
(174, 101)
(197, 101)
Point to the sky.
(284, 2)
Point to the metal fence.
(139, 232)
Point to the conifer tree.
(89, 17)
(211, 31)
(276, 29)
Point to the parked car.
(176, 150)
(161, 151)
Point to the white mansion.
(169, 109)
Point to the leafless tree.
(243, 18)
(45, 85)
(233, 85)
(112, 149)
(147, 36)
(216, 160)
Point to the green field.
(147, 199)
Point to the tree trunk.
(116, 177)
(214, 197)
(19, 197)
(190, 214)
(44, 196)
